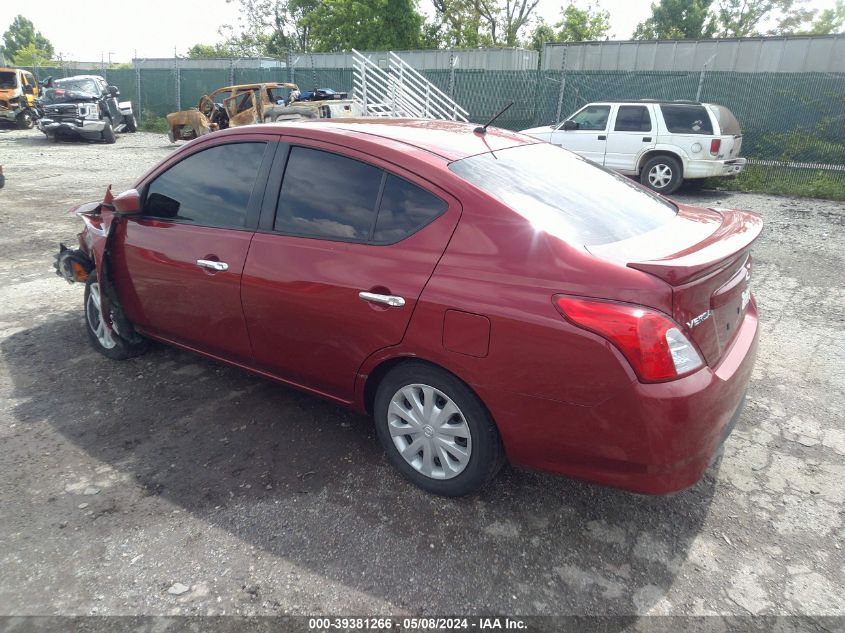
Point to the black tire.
(131, 123)
(120, 349)
(667, 169)
(108, 133)
(487, 454)
(25, 120)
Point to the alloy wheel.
(660, 176)
(92, 312)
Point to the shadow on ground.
(306, 481)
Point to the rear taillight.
(651, 341)
(715, 146)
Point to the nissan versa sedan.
(484, 296)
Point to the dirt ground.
(120, 480)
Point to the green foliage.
(829, 21)
(677, 20)
(583, 25)
(152, 123)
(22, 42)
(504, 22)
(541, 34)
(459, 23)
(696, 19)
(30, 55)
(828, 185)
(337, 25)
(207, 51)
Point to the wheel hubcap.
(429, 431)
(659, 176)
(92, 311)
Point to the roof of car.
(79, 77)
(657, 101)
(450, 140)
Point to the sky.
(164, 26)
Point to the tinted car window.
(327, 195)
(209, 188)
(633, 119)
(592, 118)
(404, 209)
(687, 119)
(566, 195)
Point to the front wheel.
(108, 133)
(662, 174)
(131, 123)
(108, 343)
(436, 431)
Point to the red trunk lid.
(704, 255)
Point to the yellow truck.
(18, 92)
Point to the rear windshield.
(727, 121)
(566, 195)
(8, 80)
(687, 119)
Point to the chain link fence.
(793, 123)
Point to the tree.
(337, 25)
(541, 34)
(460, 23)
(21, 38)
(30, 55)
(678, 20)
(740, 18)
(206, 51)
(505, 22)
(583, 25)
(829, 21)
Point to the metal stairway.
(399, 91)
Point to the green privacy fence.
(793, 123)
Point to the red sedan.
(484, 296)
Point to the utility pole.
(137, 81)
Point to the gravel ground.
(120, 480)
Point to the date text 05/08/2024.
(415, 624)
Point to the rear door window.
(686, 119)
(632, 119)
(209, 188)
(566, 195)
(404, 209)
(326, 195)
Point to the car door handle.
(646, 139)
(602, 137)
(212, 265)
(387, 300)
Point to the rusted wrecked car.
(247, 104)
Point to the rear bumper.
(650, 438)
(714, 168)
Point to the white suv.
(661, 142)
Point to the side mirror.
(113, 91)
(570, 125)
(128, 202)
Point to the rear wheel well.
(381, 370)
(659, 152)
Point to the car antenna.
(482, 129)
